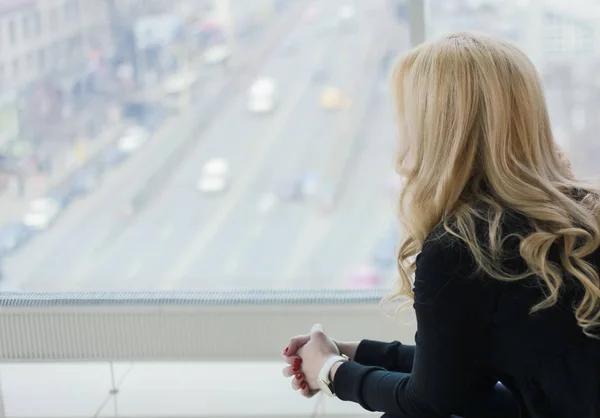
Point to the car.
(63, 195)
(217, 54)
(148, 115)
(86, 180)
(42, 213)
(215, 176)
(332, 98)
(13, 235)
(111, 156)
(320, 75)
(132, 139)
(365, 277)
(262, 95)
(347, 14)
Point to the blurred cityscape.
(188, 144)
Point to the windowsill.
(157, 389)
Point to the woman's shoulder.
(446, 270)
(447, 244)
(445, 252)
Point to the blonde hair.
(475, 129)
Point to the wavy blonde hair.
(475, 129)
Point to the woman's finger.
(295, 344)
(306, 392)
(287, 371)
(292, 369)
(292, 360)
(298, 381)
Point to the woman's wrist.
(334, 369)
(347, 348)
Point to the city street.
(187, 240)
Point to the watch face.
(325, 387)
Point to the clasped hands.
(305, 356)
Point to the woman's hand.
(306, 356)
(347, 348)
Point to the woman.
(506, 285)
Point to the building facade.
(46, 48)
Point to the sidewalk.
(12, 207)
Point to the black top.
(474, 331)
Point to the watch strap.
(325, 371)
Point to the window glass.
(207, 144)
(12, 32)
(27, 26)
(37, 24)
(562, 38)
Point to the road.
(186, 240)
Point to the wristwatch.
(323, 380)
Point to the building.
(46, 48)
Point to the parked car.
(42, 213)
(132, 139)
(110, 157)
(63, 195)
(148, 115)
(217, 54)
(13, 235)
(86, 180)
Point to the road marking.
(267, 203)
(240, 187)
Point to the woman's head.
(474, 128)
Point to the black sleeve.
(398, 357)
(453, 310)
(393, 356)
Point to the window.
(561, 41)
(27, 27)
(37, 24)
(72, 11)
(41, 61)
(290, 188)
(265, 199)
(61, 54)
(54, 20)
(30, 63)
(16, 70)
(12, 32)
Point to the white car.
(132, 139)
(347, 17)
(347, 12)
(42, 213)
(215, 176)
(217, 54)
(262, 96)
